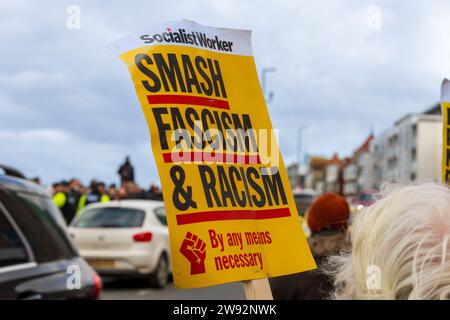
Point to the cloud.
(55, 155)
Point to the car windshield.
(365, 197)
(111, 217)
(303, 201)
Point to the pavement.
(135, 289)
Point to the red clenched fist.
(194, 249)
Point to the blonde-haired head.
(400, 247)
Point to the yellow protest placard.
(230, 209)
(445, 106)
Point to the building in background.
(358, 170)
(315, 177)
(410, 150)
(294, 175)
(333, 175)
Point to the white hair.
(404, 236)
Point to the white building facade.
(410, 150)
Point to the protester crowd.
(70, 196)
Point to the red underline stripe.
(191, 100)
(206, 216)
(219, 157)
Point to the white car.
(125, 238)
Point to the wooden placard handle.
(258, 289)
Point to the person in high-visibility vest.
(97, 194)
(60, 199)
(66, 197)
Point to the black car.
(37, 260)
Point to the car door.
(45, 251)
(16, 258)
(160, 213)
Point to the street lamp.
(299, 146)
(264, 73)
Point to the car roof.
(304, 192)
(137, 204)
(21, 185)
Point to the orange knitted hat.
(328, 211)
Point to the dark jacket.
(311, 285)
(126, 172)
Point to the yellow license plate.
(101, 264)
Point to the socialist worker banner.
(230, 209)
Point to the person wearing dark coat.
(327, 218)
(126, 171)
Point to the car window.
(160, 213)
(12, 250)
(365, 197)
(46, 236)
(111, 217)
(303, 202)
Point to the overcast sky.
(68, 106)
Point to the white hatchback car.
(125, 238)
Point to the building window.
(413, 154)
(414, 129)
(393, 140)
(392, 162)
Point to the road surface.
(138, 290)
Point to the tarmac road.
(138, 290)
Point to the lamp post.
(299, 146)
(264, 73)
